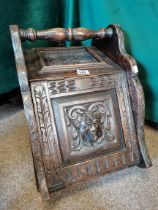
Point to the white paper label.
(82, 72)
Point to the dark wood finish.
(84, 106)
(29, 111)
(115, 49)
(62, 34)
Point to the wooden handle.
(61, 34)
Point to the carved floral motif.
(90, 125)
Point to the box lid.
(63, 62)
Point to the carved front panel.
(87, 130)
(87, 125)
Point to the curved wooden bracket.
(61, 34)
(115, 49)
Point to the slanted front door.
(86, 127)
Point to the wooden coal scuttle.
(84, 105)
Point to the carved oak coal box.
(84, 105)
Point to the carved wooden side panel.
(115, 49)
(127, 117)
(139, 110)
(28, 106)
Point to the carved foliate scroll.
(90, 125)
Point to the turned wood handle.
(61, 34)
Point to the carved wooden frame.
(111, 42)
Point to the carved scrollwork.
(90, 124)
